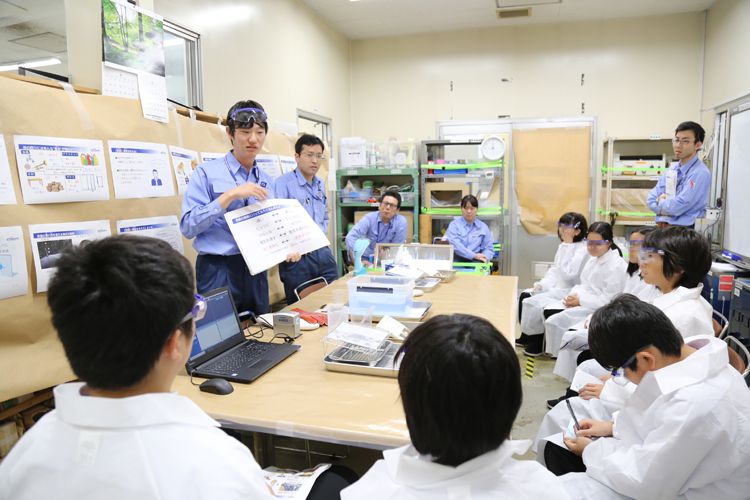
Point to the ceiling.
(32, 30)
(380, 18)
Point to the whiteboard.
(737, 200)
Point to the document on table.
(292, 484)
(206, 156)
(266, 232)
(14, 279)
(48, 241)
(7, 194)
(140, 169)
(184, 163)
(165, 228)
(59, 170)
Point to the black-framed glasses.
(388, 204)
(198, 311)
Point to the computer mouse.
(217, 386)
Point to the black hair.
(394, 194)
(114, 304)
(308, 140)
(576, 220)
(685, 251)
(460, 386)
(240, 105)
(605, 230)
(469, 199)
(626, 325)
(698, 131)
(633, 266)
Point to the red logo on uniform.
(692, 184)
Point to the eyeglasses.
(388, 204)
(618, 374)
(646, 254)
(684, 142)
(198, 311)
(248, 117)
(595, 243)
(635, 243)
(317, 156)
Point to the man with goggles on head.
(220, 186)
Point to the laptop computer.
(221, 350)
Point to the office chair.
(721, 324)
(310, 286)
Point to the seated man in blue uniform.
(303, 185)
(681, 194)
(470, 237)
(220, 186)
(383, 226)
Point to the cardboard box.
(409, 221)
(444, 194)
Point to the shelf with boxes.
(631, 169)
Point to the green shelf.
(462, 166)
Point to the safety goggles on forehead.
(198, 310)
(596, 243)
(248, 117)
(648, 253)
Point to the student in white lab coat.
(685, 431)
(602, 278)
(563, 275)
(461, 390)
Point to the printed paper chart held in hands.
(268, 231)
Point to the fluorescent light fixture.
(31, 64)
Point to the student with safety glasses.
(384, 226)
(220, 186)
(460, 387)
(684, 433)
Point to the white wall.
(642, 76)
(276, 52)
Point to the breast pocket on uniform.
(220, 187)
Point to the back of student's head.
(461, 387)
(627, 325)
(604, 229)
(115, 302)
(577, 221)
(686, 253)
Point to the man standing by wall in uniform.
(303, 185)
(681, 194)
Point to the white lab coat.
(563, 275)
(689, 312)
(684, 433)
(601, 279)
(405, 474)
(153, 446)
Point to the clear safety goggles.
(618, 374)
(634, 243)
(248, 117)
(646, 254)
(563, 225)
(596, 243)
(198, 310)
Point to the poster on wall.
(133, 41)
(59, 170)
(140, 169)
(14, 279)
(269, 164)
(184, 163)
(7, 194)
(48, 241)
(288, 164)
(165, 228)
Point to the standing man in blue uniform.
(681, 194)
(383, 226)
(220, 186)
(303, 186)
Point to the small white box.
(353, 153)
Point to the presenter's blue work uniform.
(374, 229)
(691, 194)
(219, 262)
(320, 262)
(469, 239)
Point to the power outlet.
(713, 213)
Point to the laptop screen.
(219, 328)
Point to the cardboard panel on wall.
(31, 358)
(553, 175)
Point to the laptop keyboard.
(239, 358)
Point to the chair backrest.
(310, 286)
(741, 352)
(721, 324)
(440, 240)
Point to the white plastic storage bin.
(381, 293)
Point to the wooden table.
(300, 398)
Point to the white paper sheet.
(211, 156)
(184, 163)
(49, 240)
(165, 228)
(7, 194)
(288, 164)
(153, 92)
(14, 278)
(58, 170)
(268, 231)
(269, 164)
(140, 169)
(292, 484)
(582, 378)
(119, 83)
